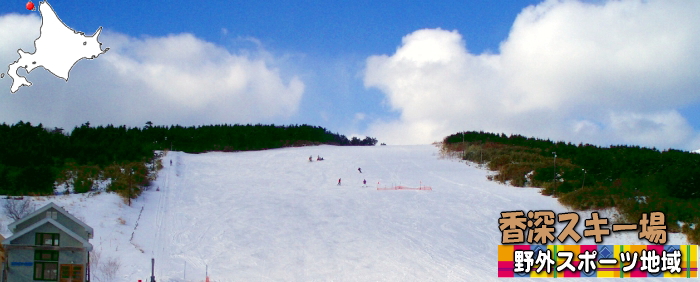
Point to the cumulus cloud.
(607, 73)
(174, 79)
(17, 32)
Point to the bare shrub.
(109, 269)
(106, 270)
(95, 256)
(18, 208)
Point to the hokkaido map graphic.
(57, 49)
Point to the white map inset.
(57, 49)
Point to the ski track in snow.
(274, 216)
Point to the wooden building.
(49, 244)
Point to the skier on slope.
(311, 158)
(359, 169)
(338, 181)
(364, 182)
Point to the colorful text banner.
(612, 261)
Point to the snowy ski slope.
(274, 216)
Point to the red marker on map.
(30, 5)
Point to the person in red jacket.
(338, 181)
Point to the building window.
(52, 214)
(46, 265)
(72, 272)
(47, 239)
(42, 255)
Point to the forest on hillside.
(632, 179)
(33, 158)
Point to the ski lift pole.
(153, 263)
(555, 171)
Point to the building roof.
(13, 225)
(84, 242)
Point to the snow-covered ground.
(274, 216)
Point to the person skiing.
(364, 182)
(311, 158)
(359, 169)
(338, 181)
(171, 162)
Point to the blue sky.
(325, 28)
(406, 72)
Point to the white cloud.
(649, 128)
(17, 32)
(172, 79)
(606, 73)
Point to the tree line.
(631, 178)
(33, 158)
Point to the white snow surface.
(274, 216)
